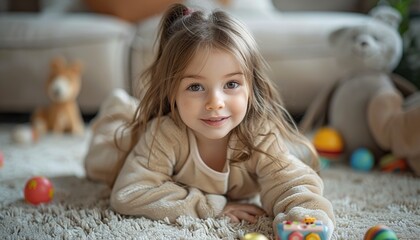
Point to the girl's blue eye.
(195, 88)
(232, 85)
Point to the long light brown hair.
(182, 33)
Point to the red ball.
(38, 190)
(1, 159)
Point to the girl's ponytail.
(174, 13)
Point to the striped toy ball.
(380, 232)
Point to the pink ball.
(1, 159)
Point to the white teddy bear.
(367, 107)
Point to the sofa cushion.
(30, 30)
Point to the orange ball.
(38, 190)
(328, 142)
(390, 163)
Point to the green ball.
(387, 234)
(380, 232)
(324, 162)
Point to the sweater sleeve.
(290, 189)
(144, 187)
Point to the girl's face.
(213, 94)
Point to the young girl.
(209, 133)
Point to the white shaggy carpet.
(80, 208)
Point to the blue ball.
(362, 159)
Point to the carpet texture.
(80, 208)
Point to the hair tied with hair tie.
(187, 11)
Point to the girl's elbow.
(117, 203)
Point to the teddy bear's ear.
(77, 66)
(334, 35)
(58, 63)
(387, 15)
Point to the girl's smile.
(215, 121)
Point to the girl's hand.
(243, 211)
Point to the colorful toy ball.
(328, 143)
(254, 236)
(390, 163)
(380, 232)
(362, 159)
(38, 190)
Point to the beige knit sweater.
(164, 176)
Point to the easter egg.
(254, 236)
(38, 190)
(328, 143)
(362, 159)
(380, 232)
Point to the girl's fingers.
(232, 217)
(241, 215)
(243, 211)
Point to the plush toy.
(370, 107)
(63, 114)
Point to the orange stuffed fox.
(63, 114)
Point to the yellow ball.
(254, 236)
(328, 142)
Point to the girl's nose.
(215, 101)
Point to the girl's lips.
(215, 122)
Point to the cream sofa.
(114, 52)
(29, 40)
